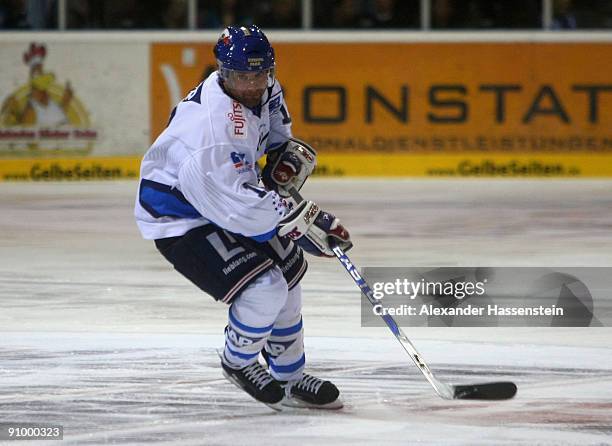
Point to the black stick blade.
(503, 390)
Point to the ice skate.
(311, 392)
(257, 382)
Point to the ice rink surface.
(100, 335)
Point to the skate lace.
(309, 383)
(257, 375)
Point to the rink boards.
(337, 165)
(387, 104)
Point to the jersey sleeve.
(280, 120)
(221, 183)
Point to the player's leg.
(285, 346)
(250, 322)
(251, 318)
(285, 351)
(226, 267)
(286, 359)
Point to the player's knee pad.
(251, 317)
(292, 308)
(260, 303)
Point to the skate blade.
(300, 404)
(278, 407)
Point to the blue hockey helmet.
(244, 48)
(246, 62)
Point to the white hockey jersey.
(202, 167)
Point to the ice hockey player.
(200, 199)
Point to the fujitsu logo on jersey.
(237, 117)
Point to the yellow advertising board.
(70, 169)
(431, 109)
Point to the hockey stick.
(500, 390)
(487, 391)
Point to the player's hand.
(289, 166)
(314, 230)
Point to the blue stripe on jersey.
(287, 331)
(289, 368)
(161, 200)
(236, 323)
(264, 237)
(241, 355)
